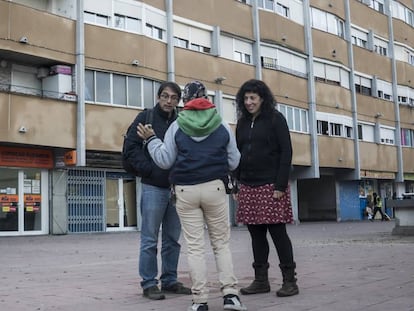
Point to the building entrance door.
(23, 201)
(120, 204)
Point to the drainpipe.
(80, 85)
(357, 171)
(256, 44)
(314, 169)
(400, 173)
(170, 40)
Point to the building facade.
(74, 74)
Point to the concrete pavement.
(345, 266)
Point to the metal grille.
(86, 199)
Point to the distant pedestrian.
(377, 207)
(369, 207)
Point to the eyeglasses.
(173, 98)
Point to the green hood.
(198, 123)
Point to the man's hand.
(145, 131)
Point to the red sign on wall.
(25, 157)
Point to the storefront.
(24, 208)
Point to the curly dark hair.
(260, 88)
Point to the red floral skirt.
(256, 205)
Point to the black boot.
(289, 286)
(261, 281)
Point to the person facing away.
(156, 207)
(369, 207)
(264, 205)
(377, 206)
(200, 149)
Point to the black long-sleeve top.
(266, 150)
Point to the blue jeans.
(157, 210)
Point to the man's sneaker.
(176, 288)
(232, 302)
(153, 293)
(198, 307)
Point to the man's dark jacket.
(139, 157)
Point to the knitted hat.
(194, 89)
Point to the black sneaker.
(232, 302)
(176, 288)
(153, 293)
(198, 307)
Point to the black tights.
(280, 238)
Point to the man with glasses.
(157, 208)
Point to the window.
(363, 85)
(330, 74)
(194, 38)
(336, 129)
(380, 46)
(96, 18)
(359, 38)
(366, 132)
(127, 23)
(323, 127)
(296, 118)
(327, 22)
(377, 5)
(407, 137)
(154, 32)
(334, 125)
(182, 43)
(403, 13)
(120, 90)
(384, 90)
(282, 9)
(283, 60)
(229, 111)
(387, 135)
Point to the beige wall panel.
(372, 63)
(368, 107)
(405, 74)
(4, 19)
(332, 96)
(376, 157)
(4, 114)
(190, 65)
(159, 4)
(336, 152)
(114, 50)
(105, 126)
(325, 43)
(58, 44)
(48, 122)
(407, 3)
(407, 116)
(408, 159)
(336, 7)
(280, 30)
(287, 88)
(403, 32)
(301, 149)
(377, 22)
(218, 13)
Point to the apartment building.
(74, 74)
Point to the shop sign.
(25, 157)
(377, 175)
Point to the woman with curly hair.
(264, 205)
